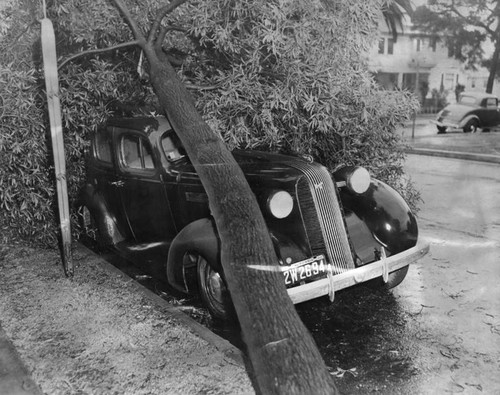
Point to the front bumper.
(331, 284)
(450, 125)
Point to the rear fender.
(106, 224)
(199, 236)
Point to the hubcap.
(214, 284)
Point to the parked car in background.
(472, 111)
(143, 198)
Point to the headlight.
(280, 204)
(356, 178)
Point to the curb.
(454, 154)
(14, 376)
(222, 345)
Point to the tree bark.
(494, 63)
(282, 352)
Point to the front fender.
(199, 236)
(467, 118)
(386, 216)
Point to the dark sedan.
(473, 111)
(143, 198)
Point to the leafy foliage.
(394, 14)
(463, 43)
(467, 25)
(89, 92)
(280, 75)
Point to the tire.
(213, 291)
(471, 126)
(441, 129)
(90, 231)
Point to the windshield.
(467, 100)
(172, 147)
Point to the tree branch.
(203, 87)
(162, 12)
(96, 51)
(136, 31)
(471, 21)
(161, 37)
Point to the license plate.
(304, 270)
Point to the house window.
(449, 81)
(432, 43)
(418, 44)
(390, 46)
(381, 44)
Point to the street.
(456, 286)
(437, 332)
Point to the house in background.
(421, 62)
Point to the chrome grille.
(322, 216)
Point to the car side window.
(136, 153)
(102, 146)
(491, 103)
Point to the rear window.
(102, 146)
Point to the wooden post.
(54, 107)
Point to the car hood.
(455, 111)
(269, 165)
(262, 169)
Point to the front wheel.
(471, 126)
(441, 129)
(213, 290)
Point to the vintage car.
(143, 198)
(472, 111)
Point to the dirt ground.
(93, 334)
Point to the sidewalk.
(102, 332)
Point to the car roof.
(478, 95)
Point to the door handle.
(117, 183)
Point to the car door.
(489, 113)
(143, 196)
(103, 175)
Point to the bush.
(286, 76)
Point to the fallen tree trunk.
(283, 354)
